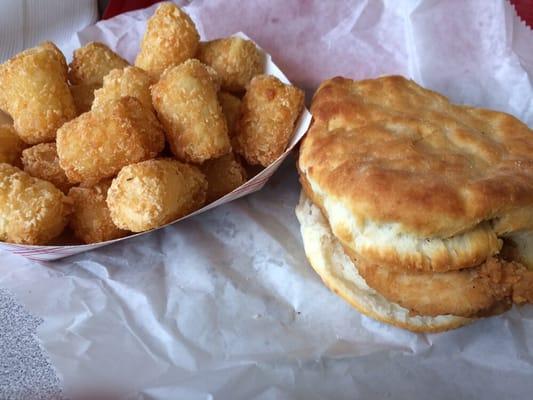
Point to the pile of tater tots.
(106, 148)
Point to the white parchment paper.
(225, 305)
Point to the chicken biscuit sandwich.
(417, 211)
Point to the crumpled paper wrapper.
(225, 304)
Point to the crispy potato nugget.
(185, 99)
(170, 39)
(5, 118)
(155, 192)
(235, 60)
(269, 111)
(92, 62)
(41, 161)
(223, 175)
(11, 145)
(90, 219)
(130, 81)
(32, 211)
(35, 92)
(97, 145)
(60, 56)
(231, 108)
(83, 95)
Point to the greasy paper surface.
(225, 305)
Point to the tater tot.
(231, 107)
(155, 192)
(35, 92)
(130, 81)
(11, 145)
(92, 62)
(223, 175)
(41, 161)
(59, 55)
(83, 95)
(269, 112)
(5, 118)
(235, 60)
(96, 145)
(32, 211)
(185, 99)
(90, 219)
(170, 39)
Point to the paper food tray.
(101, 32)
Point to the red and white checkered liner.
(49, 253)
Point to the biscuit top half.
(391, 151)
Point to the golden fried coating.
(41, 161)
(223, 175)
(339, 273)
(231, 108)
(32, 211)
(269, 112)
(90, 219)
(35, 92)
(235, 60)
(519, 247)
(130, 81)
(185, 99)
(83, 95)
(170, 39)
(92, 62)
(59, 55)
(486, 290)
(155, 192)
(97, 144)
(11, 145)
(5, 118)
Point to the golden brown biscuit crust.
(474, 249)
(390, 150)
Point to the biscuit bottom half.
(340, 274)
(418, 301)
